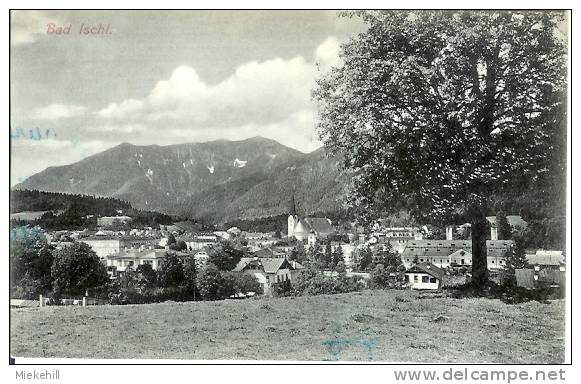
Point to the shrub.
(310, 282)
(129, 295)
(76, 269)
(171, 271)
(282, 289)
(214, 284)
(247, 283)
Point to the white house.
(268, 271)
(133, 258)
(424, 276)
(456, 253)
(103, 245)
(107, 221)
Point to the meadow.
(373, 325)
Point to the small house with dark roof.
(546, 259)
(267, 270)
(424, 276)
(264, 252)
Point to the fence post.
(40, 299)
(84, 301)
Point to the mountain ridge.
(217, 180)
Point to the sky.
(164, 77)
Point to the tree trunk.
(479, 262)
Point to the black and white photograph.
(291, 186)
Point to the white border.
(278, 374)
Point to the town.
(377, 256)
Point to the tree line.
(80, 211)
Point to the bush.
(130, 295)
(247, 283)
(76, 269)
(310, 282)
(282, 289)
(214, 284)
(171, 271)
(225, 255)
(180, 245)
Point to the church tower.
(292, 218)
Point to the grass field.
(391, 326)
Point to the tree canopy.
(77, 268)
(437, 111)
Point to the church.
(308, 228)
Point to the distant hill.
(30, 200)
(52, 210)
(216, 181)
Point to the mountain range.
(216, 181)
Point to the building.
(496, 251)
(137, 242)
(544, 259)
(296, 269)
(267, 253)
(455, 253)
(268, 271)
(198, 241)
(515, 221)
(118, 263)
(132, 258)
(459, 258)
(308, 228)
(424, 276)
(396, 236)
(103, 245)
(107, 221)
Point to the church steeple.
(292, 217)
(293, 206)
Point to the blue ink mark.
(25, 233)
(369, 344)
(335, 347)
(30, 134)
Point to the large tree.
(436, 111)
(504, 231)
(76, 269)
(171, 271)
(225, 255)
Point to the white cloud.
(26, 26)
(118, 128)
(271, 98)
(122, 110)
(327, 54)
(58, 111)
